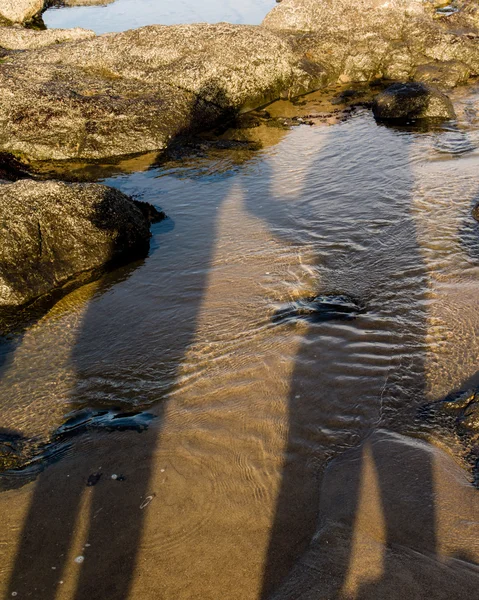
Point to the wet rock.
(447, 74)
(412, 101)
(22, 459)
(11, 450)
(325, 307)
(17, 38)
(475, 212)
(19, 11)
(138, 90)
(107, 420)
(464, 406)
(52, 231)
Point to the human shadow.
(352, 377)
(126, 357)
(367, 247)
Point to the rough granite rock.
(53, 231)
(445, 75)
(81, 2)
(411, 101)
(370, 39)
(16, 38)
(19, 11)
(136, 91)
(133, 92)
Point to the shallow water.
(128, 14)
(219, 497)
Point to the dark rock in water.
(21, 459)
(325, 307)
(51, 232)
(11, 169)
(93, 479)
(11, 449)
(475, 212)
(151, 214)
(106, 420)
(457, 416)
(405, 102)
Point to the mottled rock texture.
(18, 11)
(17, 38)
(53, 231)
(134, 91)
(369, 39)
(411, 101)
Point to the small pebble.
(14, 593)
(79, 560)
(114, 476)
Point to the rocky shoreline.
(69, 95)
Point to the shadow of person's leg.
(46, 537)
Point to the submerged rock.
(475, 212)
(325, 307)
(52, 232)
(412, 101)
(22, 459)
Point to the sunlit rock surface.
(371, 39)
(53, 231)
(16, 38)
(135, 91)
(18, 11)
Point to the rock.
(135, 91)
(80, 2)
(16, 38)
(140, 90)
(52, 232)
(447, 74)
(475, 212)
(370, 39)
(326, 307)
(22, 11)
(412, 101)
(19, 11)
